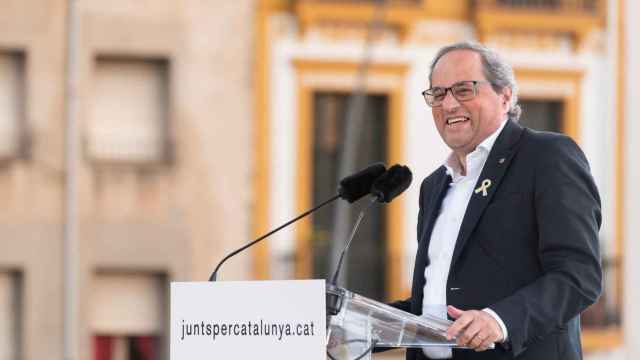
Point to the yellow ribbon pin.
(484, 187)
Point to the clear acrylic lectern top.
(361, 324)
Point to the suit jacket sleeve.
(567, 208)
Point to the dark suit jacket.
(528, 250)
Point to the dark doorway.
(366, 261)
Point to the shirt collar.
(451, 162)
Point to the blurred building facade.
(568, 57)
(162, 101)
(200, 124)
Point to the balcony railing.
(587, 6)
(398, 15)
(576, 18)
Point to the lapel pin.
(501, 161)
(484, 187)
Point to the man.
(507, 227)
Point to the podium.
(358, 324)
(244, 320)
(289, 320)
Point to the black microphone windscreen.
(392, 183)
(355, 186)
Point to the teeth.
(456, 120)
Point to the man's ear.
(506, 98)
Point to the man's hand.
(474, 329)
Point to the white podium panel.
(248, 320)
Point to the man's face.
(465, 124)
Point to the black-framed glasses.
(461, 91)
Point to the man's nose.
(450, 102)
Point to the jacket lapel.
(431, 206)
(492, 173)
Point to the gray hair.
(497, 71)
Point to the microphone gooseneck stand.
(351, 188)
(388, 186)
(334, 279)
(214, 275)
(334, 298)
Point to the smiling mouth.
(457, 120)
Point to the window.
(323, 94)
(129, 111)
(364, 273)
(542, 114)
(128, 316)
(126, 347)
(12, 95)
(10, 315)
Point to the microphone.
(384, 189)
(350, 188)
(392, 183)
(355, 186)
